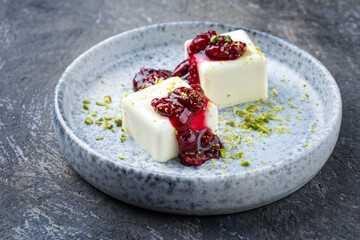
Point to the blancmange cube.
(232, 82)
(154, 133)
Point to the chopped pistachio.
(118, 122)
(232, 124)
(245, 163)
(123, 139)
(121, 158)
(275, 92)
(103, 104)
(240, 113)
(107, 99)
(98, 122)
(294, 107)
(227, 39)
(88, 120)
(99, 138)
(108, 118)
(251, 108)
(105, 125)
(214, 39)
(86, 107)
(86, 102)
(264, 129)
(110, 126)
(222, 152)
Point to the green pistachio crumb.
(105, 125)
(108, 118)
(121, 158)
(227, 39)
(99, 138)
(222, 152)
(245, 163)
(110, 126)
(98, 122)
(214, 39)
(107, 99)
(294, 107)
(232, 124)
(251, 108)
(88, 121)
(123, 139)
(86, 107)
(264, 129)
(103, 104)
(118, 122)
(86, 102)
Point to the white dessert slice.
(232, 82)
(154, 133)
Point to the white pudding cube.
(232, 82)
(154, 133)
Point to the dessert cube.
(232, 82)
(154, 133)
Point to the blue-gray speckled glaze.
(279, 165)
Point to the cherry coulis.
(148, 77)
(210, 47)
(186, 110)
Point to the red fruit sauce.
(148, 77)
(186, 110)
(207, 47)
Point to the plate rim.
(333, 122)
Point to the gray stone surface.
(42, 197)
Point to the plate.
(280, 163)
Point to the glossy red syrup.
(148, 77)
(186, 110)
(207, 47)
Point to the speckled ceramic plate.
(279, 164)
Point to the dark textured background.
(42, 197)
